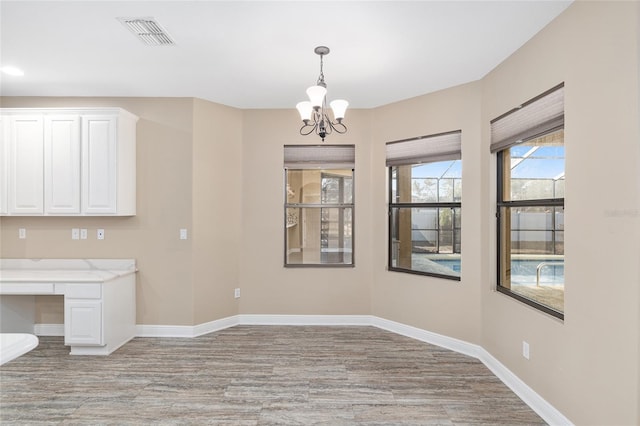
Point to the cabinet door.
(26, 161)
(62, 164)
(4, 167)
(99, 182)
(82, 322)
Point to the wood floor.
(259, 375)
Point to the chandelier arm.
(338, 126)
(311, 128)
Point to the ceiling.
(259, 54)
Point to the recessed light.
(9, 70)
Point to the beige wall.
(201, 165)
(268, 287)
(442, 306)
(217, 214)
(588, 365)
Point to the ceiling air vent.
(148, 31)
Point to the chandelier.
(314, 111)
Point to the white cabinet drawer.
(26, 288)
(83, 291)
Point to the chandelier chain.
(321, 76)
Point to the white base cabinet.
(67, 162)
(99, 299)
(83, 322)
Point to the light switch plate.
(100, 234)
(183, 234)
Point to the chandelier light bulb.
(316, 95)
(305, 109)
(339, 107)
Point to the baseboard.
(538, 404)
(246, 319)
(455, 345)
(144, 330)
(217, 325)
(56, 330)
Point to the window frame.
(429, 205)
(443, 153)
(501, 203)
(325, 169)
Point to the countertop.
(64, 270)
(68, 276)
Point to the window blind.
(440, 147)
(319, 156)
(542, 114)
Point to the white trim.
(455, 345)
(247, 319)
(217, 325)
(538, 404)
(56, 330)
(143, 330)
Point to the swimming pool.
(523, 269)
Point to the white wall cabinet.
(62, 164)
(108, 165)
(4, 168)
(26, 165)
(68, 162)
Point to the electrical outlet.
(22, 233)
(236, 293)
(183, 234)
(100, 234)
(75, 234)
(525, 349)
(83, 234)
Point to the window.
(319, 205)
(529, 143)
(425, 193)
